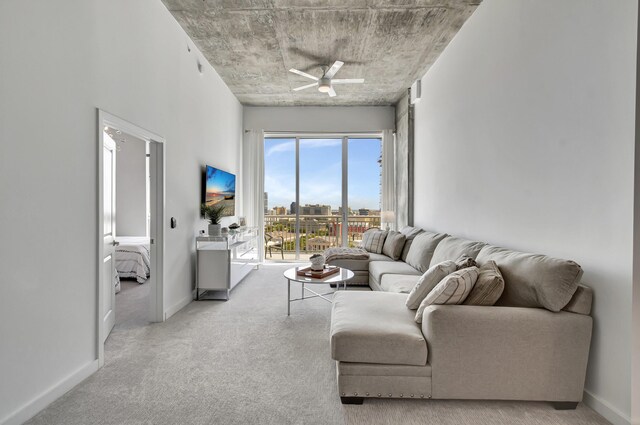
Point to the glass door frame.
(297, 136)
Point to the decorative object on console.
(243, 221)
(234, 226)
(213, 213)
(317, 262)
(387, 217)
(224, 231)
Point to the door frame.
(157, 213)
(296, 136)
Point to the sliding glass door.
(320, 192)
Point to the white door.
(108, 262)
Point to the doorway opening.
(130, 231)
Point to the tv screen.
(220, 187)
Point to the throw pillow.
(373, 240)
(393, 245)
(453, 289)
(488, 287)
(465, 261)
(428, 281)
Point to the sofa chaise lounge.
(532, 345)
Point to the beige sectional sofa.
(533, 345)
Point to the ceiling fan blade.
(304, 74)
(347, 80)
(305, 87)
(334, 68)
(332, 92)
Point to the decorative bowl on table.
(317, 262)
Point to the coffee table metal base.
(315, 294)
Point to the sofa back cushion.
(452, 248)
(533, 280)
(410, 232)
(422, 248)
(373, 240)
(581, 301)
(393, 245)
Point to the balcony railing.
(317, 232)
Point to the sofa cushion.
(581, 301)
(452, 248)
(533, 280)
(375, 327)
(379, 268)
(398, 283)
(422, 248)
(393, 245)
(488, 287)
(428, 281)
(373, 240)
(410, 232)
(359, 265)
(453, 289)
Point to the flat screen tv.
(220, 187)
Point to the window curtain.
(253, 183)
(388, 174)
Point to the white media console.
(223, 261)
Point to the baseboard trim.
(605, 409)
(179, 305)
(35, 406)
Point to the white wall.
(339, 119)
(131, 188)
(525, 138)
(60, 61)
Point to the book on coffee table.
(318, 274)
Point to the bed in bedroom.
(133, 258)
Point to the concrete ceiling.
(253, 43)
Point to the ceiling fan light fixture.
(324, 85)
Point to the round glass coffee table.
(341, 277)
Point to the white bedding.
(133, 258)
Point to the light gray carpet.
(245, 362)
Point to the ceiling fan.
(325, 83)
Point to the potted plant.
(213, 213)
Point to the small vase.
(214, 230)
(317, 262)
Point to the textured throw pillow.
(488, 287)
(428, 281)
(393, 244)
(465, 261)
(373, 240)
(453, 289)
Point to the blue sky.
(321, 172)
